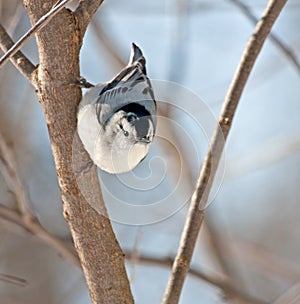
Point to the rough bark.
(59, 43)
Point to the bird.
(116, 121)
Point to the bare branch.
(261, 260)
(176, 73)
(39, 24)
(263, 156)
(106, 41)
(12, 279)
(19, 60)
(291, 296)
(15, 19)
(224, 284)
(8, 168)
(134, 256)
(273, 37)
(23, 216)
(85, 12)
(36, 229)
(101, 256)
(210, 165)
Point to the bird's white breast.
(110, 157)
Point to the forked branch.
(19, 60)
(35, 28)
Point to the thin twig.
(15, 19)
(134, 257)
(217, 252)
(39, 25)
(20, 61)
(12, 279)
(290, 296)
(36, 229)
(107, 42)
(261, 260)
(273, 37)
(224, 284)
(59, 246)
(210, 165)
(23, 216)
(263, 156)
(8, 168)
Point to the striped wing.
(131, 85)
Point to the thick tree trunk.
(101, 257)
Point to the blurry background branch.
(22, 215)
(12, 279)
(8, 168)
(34, 227)
(264, 155)
(19, 60)
(291, 296)
(258, 258)
(106, 41)
(224, 283)
(69, 254)
(44, 20)
(273, 37)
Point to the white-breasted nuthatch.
(117, 119)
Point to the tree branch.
(34, 29)
(36, 229)
(273, 37)
(106, 41)
(219, 281)
(8, 168)
(19, 60)
(85, 12)
(199, 199)
(23, 216)
(177, 59)
(101, 257)
(12, 279)
(59, 246)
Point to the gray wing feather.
(131, 85)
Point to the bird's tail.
(134, 72)
(137, 56)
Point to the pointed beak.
(145, 140)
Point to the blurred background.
(249, 247)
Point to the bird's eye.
(131, 117)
